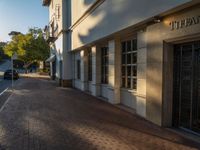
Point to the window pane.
(134, 71)
(102, 70)
(124, 59)
(134, 83)
(128, 46)
(129, 83)
(123, 82)
(102, 79)
(78, 69)
(123, 46)
(106, 79)
(90, 65)
(134, 45)
(134, 58)
(106, 51)
(129, 58)
(104, 65)
(106, 60)
(128, 70)
(123, 71)
(106, 70)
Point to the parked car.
(8, 74)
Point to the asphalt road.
(4, 84)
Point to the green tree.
(30, 47)
(2, 55)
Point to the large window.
(104, 65)
(78, 64)
(129, 64)
(90, 65)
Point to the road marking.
(3, 91)
(5, 103)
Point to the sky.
(20, 15)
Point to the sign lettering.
(179, 24)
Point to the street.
(4, 84)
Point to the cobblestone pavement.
(41, 116)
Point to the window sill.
(105, 85)
(129, 90)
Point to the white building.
(141, 54)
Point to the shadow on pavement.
(40, 115)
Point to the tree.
(2, 55)
(30, 47)
(14, 33)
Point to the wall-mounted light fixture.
(157, 19)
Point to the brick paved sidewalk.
(41, 116)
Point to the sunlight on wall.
(115, 15)
(93, 21)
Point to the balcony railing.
(51, 33)
(46, 2)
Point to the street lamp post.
(12, 71)
(14, 56)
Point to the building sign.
(187, 22)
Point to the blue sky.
(19, 15)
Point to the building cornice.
(96, 4)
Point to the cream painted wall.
(114, 15)
(63, 41)
(52, 13)
(79, 7)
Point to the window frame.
(90, 77)
(57, 12)
(78, 69)
(129, 64)
(105, 65)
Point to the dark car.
(8, 74)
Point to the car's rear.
(8, 74)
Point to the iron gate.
(186, 98)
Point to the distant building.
(140, 54)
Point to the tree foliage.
(29, 47)
(2, 55)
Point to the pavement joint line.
(2, 107)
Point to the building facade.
(132, 53)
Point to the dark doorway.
(186, 93)
(53, 70)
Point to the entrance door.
(53, 69)
(186, 103)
